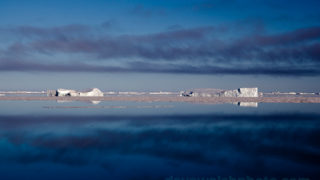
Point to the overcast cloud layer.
(253, 44)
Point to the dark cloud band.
(202, 50)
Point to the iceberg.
(240, 92)
(70, 92)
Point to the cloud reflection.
(215, 140)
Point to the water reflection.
(159, 146)
(69, 101)
(248, 104)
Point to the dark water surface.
(131, 140)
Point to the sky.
(169, 45)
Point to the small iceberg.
(94, 92)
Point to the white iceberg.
(241, 92)
(69, 92)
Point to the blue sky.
(166, 45)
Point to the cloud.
(153, 46)
(201, 50)
(108, 24)
(58, 33)
(289, 38)
(141, 67)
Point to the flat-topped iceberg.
(241, 92)
(69, 92)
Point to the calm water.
(131, 140)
